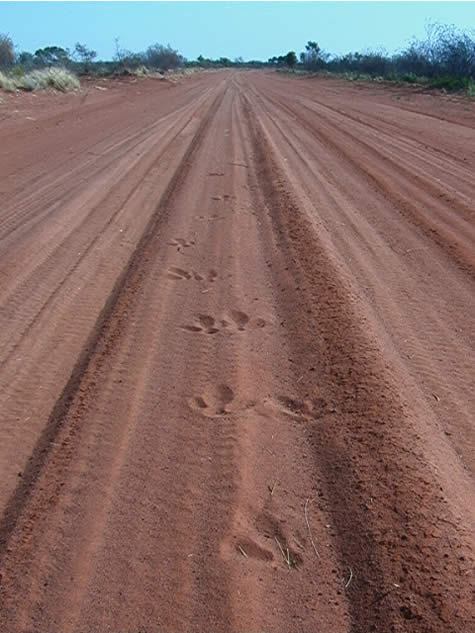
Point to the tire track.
(240, 445)
(374, 499)
(415, 298)
(82, 384)
(455, 238)
(52, 196)
(118, 190)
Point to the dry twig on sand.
(285, 556)
(309, 530)
(349, 579)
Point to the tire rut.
(117, 191)
(452, 239)
(85, 376)
(238, 447)
(372, 495)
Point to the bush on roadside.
(451, 84)
(142, 71)
(56, 78)
(86, 57)
(444, 59)
(6, 83)
(162, 57)
(7, 52)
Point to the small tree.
(163, 57)
(52, 56)
(291, 59)
(7, 52)
(454, 51)
(85, 55)
(120, 53)
(26, 60)
(313, 58)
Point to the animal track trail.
(234, 320)
(204, 323)
(284, 545)
(241, 319)
(180, 243)
(178, 274)
(251, 549)
(263, 538)
(215, 402)
(218, 400)
(307, 409)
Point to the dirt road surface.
(237, 358)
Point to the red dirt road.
(237, 358)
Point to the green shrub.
(17, 72)
(411, 78)
(451, 84)
(7, 52)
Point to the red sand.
(237, 360)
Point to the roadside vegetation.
(57, 78)
(444, 59)
(59, 68)
(45, 74)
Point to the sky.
(253, 30)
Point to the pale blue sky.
(255, 30)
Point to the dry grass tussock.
(56, 78)
(7, 84)
(143, 71)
